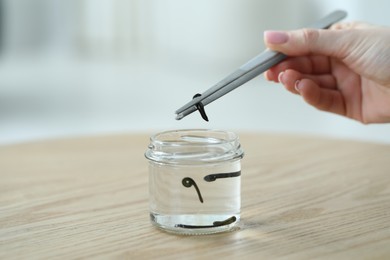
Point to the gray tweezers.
(248, 71)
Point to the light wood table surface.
(302, 198)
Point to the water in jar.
(195, 198)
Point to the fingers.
(305, 65)
(289, 77)
(324, 98)
(321, 98)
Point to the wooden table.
(302, 198)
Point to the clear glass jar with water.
(195, 181)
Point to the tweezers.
(246, 72)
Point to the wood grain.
(302, 198)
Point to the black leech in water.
(215, 223)
(200, 108)
(213, 177)
(188, 182)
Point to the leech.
(215, 224)
(213, 177)
(188, 182)
(225, 222)
(200, 108)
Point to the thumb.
(308, 41)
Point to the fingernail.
(280, 79)
(297, 86)
(275, 37)
(266, 75)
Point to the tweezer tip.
(179, 116)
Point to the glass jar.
(195, 181)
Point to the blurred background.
(82, 67)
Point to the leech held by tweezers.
(215, 224)
(251, 69)
(200, 108)
(213, 177)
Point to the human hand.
(343, 70)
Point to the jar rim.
(233, 136)
(194, 146)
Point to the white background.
(82, 67)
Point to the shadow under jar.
(195, 181)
